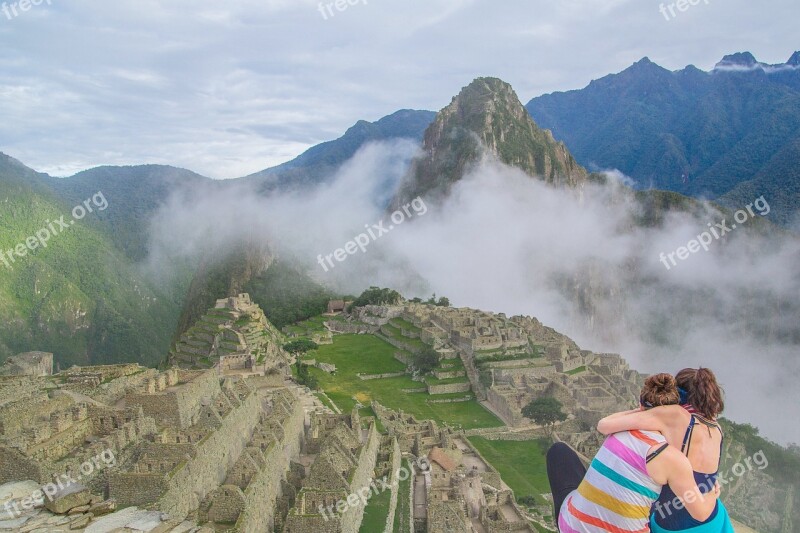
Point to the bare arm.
(673, 468)
(649, 420)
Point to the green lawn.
(449, 365)
(396, 334)
(325, 401)
(431, 380)
(402, 514)
(367, 354)
(308, 327)
(368, 412)
(403, 323)
(576, 371)
(521, 464)
(376, 513)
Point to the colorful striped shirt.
(617, 492)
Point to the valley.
(196, 336)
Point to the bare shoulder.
(672, 415)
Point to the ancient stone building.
(236, 337)
(28, 364)
(344, 455)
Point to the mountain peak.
(485, 87)
(482, 97)
(646, 66)
(487, 119)
(739, 60)
(794, 61)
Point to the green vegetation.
(79, 297)
(784, 464)
(377, 296)
(521, 464)
(367, 354)
(367, 412)
(287, 295)
(484, 358)
(300, 346)
(545, 411)
(395, 333)
(403, 513)
(134, 194)
(441, 302)
(322, 397)
(511, 134)
(376, 513)
(432, 380)
(304, 377)
(404, 324)
(307, 328)
(576, 371)
(426, 360)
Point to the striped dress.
(616, 494)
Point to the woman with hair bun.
(692, 428)
(616, 493)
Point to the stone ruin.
(340, 458)
(513, 361)
(192, 444)
(236, 337)
(28, 364)
(456, 488)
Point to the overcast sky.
(227, 88)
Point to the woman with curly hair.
(617, 491)
(692, 428)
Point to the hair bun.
(660, 389)
(663, 382)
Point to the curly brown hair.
(660, 389)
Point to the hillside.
(136, 192)
(278, 286)
(694, 132)
(79, 296)
(320, 162)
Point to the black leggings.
(565, 472)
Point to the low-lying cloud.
(507, 243)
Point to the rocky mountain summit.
(487, 119)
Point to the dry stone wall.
(450, 388)
(351, 520)
(265, 489)
(215, 455)
(180, 407)
(396, 461)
